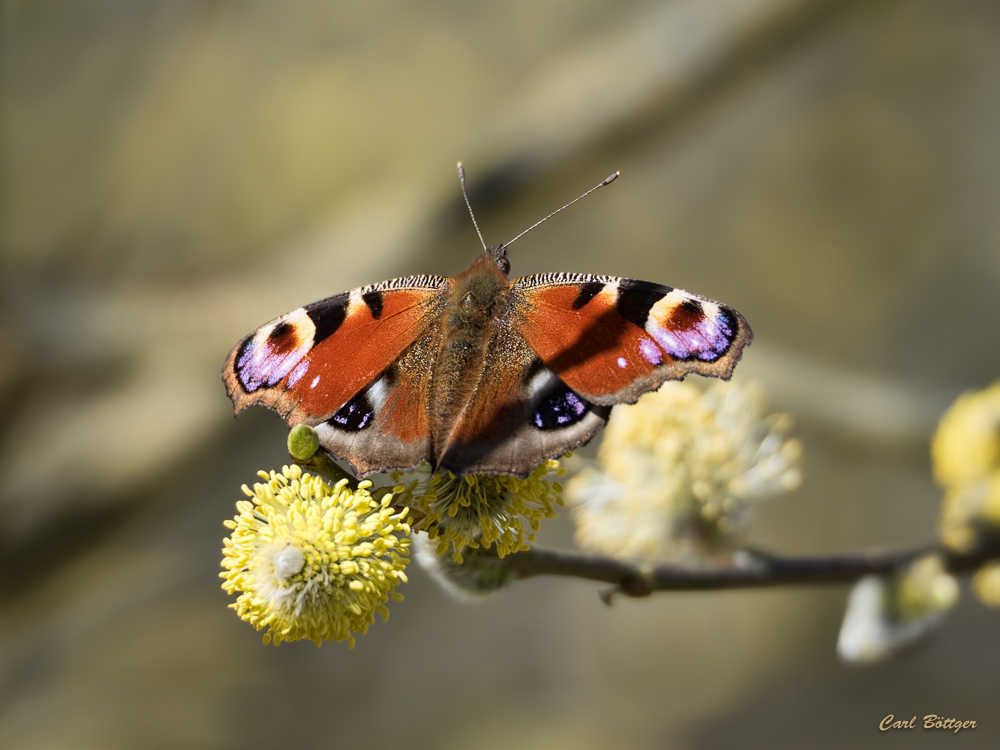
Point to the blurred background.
(176, 173)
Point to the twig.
(750, 569)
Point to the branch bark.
(750, 569)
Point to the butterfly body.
(476, 305)
(477, 373)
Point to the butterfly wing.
(356, 366)
(519, 414)
(612, 339)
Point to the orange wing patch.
(613, 339)
(311, 361)
(592, 348)
(362, 347)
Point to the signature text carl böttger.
(930, 721)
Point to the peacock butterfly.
(478, 374)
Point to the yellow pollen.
(294, 552)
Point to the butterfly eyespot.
(263, 359)
(353, 416)
(562, 409)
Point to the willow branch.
(751, 569)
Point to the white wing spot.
(315, 381)
(355, 302)
(622, 362)
(378, 394)
(541, 383)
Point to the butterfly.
(478, 374)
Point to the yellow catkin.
(966, 456)
(986, 584)
(679, 471)
(495, 511)
(311, 561)
(966, 445)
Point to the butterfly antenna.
(608, 181)
(461, 178)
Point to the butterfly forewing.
(309, 364)
(612, 339)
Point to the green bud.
(303, 442)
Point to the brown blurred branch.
(751, 569)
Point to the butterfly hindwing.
(612, 339)
(354, 362)
(387, 425)
(519, 414)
